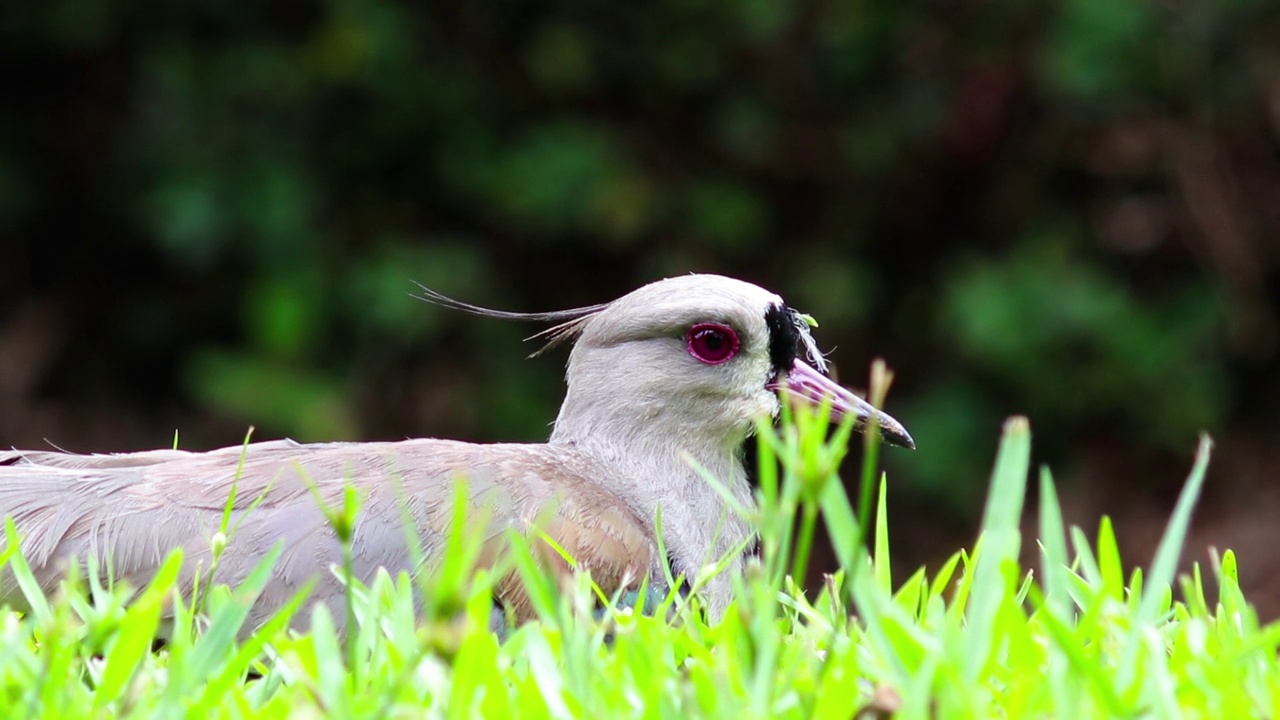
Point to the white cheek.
(761, 404)
(772, 406)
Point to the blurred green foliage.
(228, 203)
(1064, 335)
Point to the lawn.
(981, 637)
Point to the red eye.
(712, 343)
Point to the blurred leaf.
(871, 145)
(625, 207)
(1073, 342)
(81, 24)
(763, 21)
(275, 202)
(276, 396)
(519, 396)
(560, 58)
(837, 289)
(365, 42)
(284, 314)
(187, 217)
(1100, 53)
(954, 422)
(728, 214)
(743, 128)
(562, 176)
(689, 60)
(381, 286)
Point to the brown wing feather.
(128, 511)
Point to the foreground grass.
(983, 637)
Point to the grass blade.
(137, 632)
(1001, 540)
(1169, 550)
(1053, 548)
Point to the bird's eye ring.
(712, 343)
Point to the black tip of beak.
(891, 431)
(899, 437)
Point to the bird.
(663, 387)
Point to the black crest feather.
(568, 322)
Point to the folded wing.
(128, 511)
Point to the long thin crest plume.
(568, 322)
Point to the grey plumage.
(641, 408)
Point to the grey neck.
(653, 469)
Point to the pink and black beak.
(803, 384)
(789, 342)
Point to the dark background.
(211, 213)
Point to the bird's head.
(691, 356)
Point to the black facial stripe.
(784, 337)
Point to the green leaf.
(883, 566)
(1001, 539)
(137, 631)
(1053, 547)
(1109, 561)
(1165, 563)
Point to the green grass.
(982, 637)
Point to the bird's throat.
(681, 480)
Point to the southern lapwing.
(664, 384)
